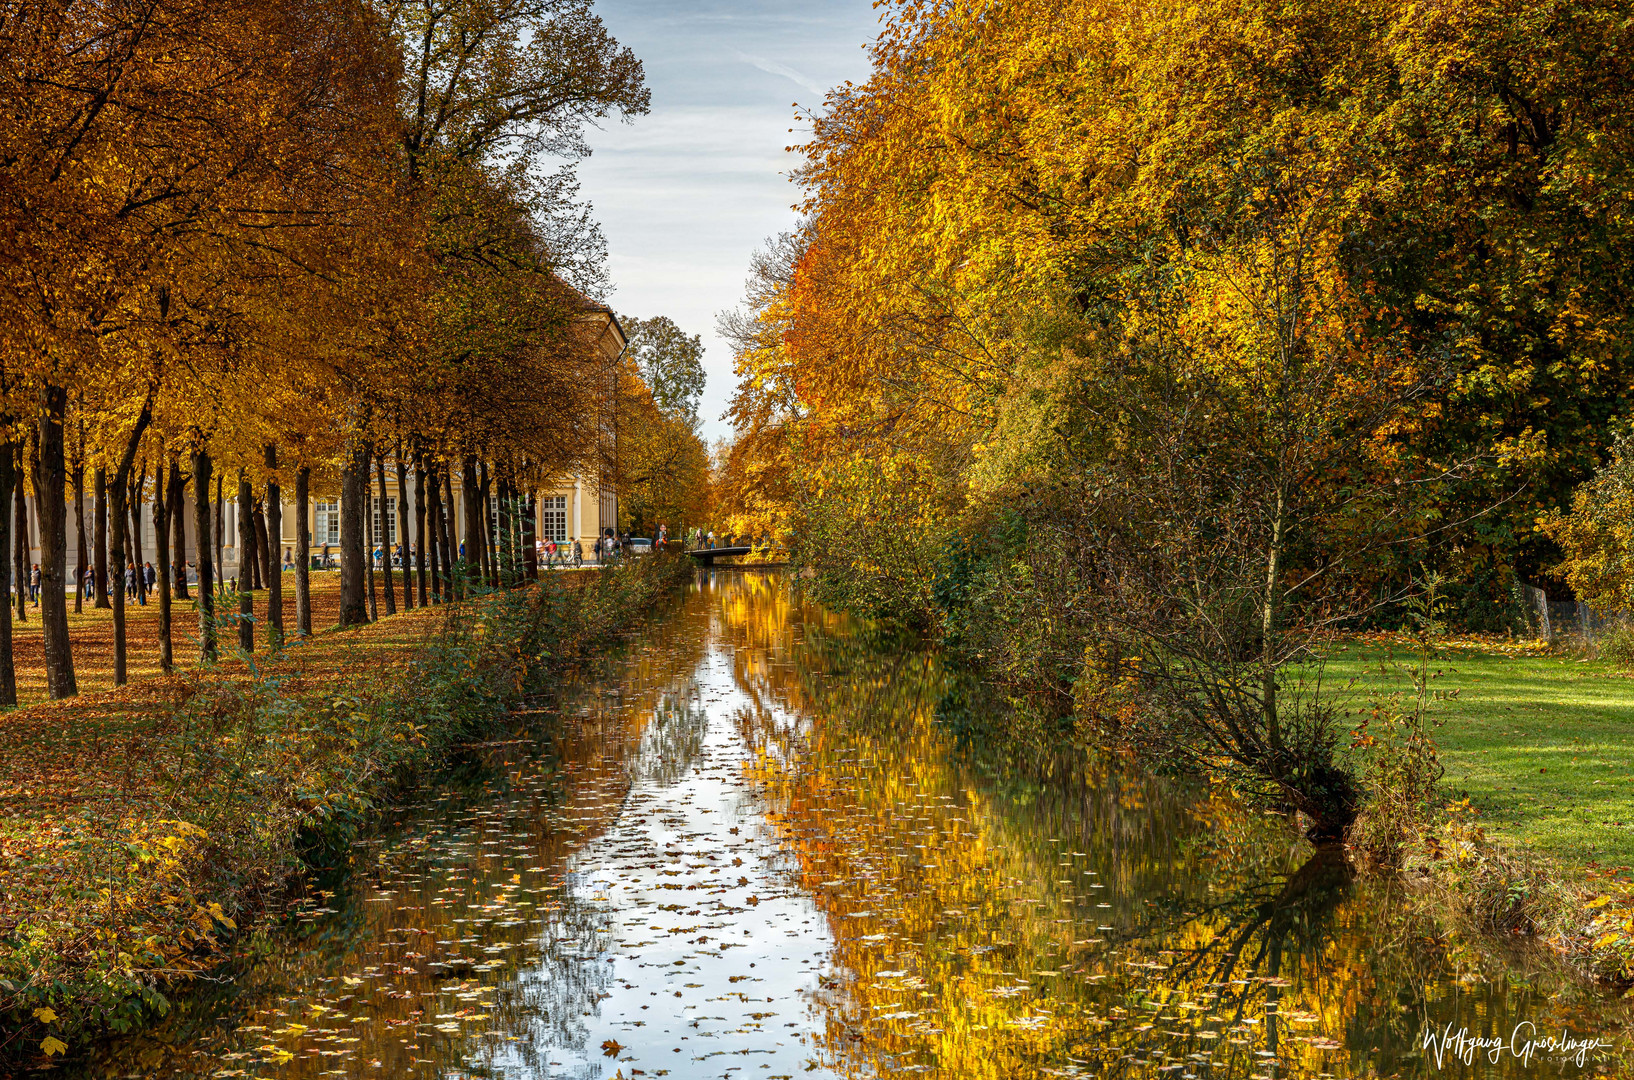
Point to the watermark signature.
(1524, 1043)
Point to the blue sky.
(686, 193)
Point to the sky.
(687, 193)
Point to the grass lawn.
(1542, 743)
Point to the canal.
(762, 843)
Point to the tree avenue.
(1139, 347)
(257, 250)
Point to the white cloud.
(686, 193)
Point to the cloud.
(772, 67)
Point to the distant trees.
(663, 470)
(320, 238)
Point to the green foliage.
(671, 364)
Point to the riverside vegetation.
(149, 830)
(1149, 351)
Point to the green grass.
(1542, 744)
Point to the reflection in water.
(751, 850)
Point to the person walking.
(34, 584)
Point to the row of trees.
(271, 246)
(1176, 336)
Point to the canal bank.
(150, 831)
(749, 848)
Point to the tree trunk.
(207, 546)
(434, 516)
(490, 573)
(504, 550)
(530, 536)
(137, 490)
(451, 548)
(100, 553)
(354, 495)
(246, 563)
(368, 536)
(176, 501)
(264, 556)
(405, 541)
(385, 540)
(1268, 629)
(50, 479)
(420, 530)
(162, 511)
(220, 536)
(8, 668)
(20, 544)
(275, 565)
(471, 497)
(303, 554)
(116, 571)
(79, 529)
(120, 490)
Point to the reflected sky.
(750, 848)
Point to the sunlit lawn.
(1542, 744)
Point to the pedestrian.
(88, 586)
(289, 559)
(709, 542)
(325, 565)
(150, 576)
(130, 582)
(34, 584)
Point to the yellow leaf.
(53, 1045)
(349, 981)
(1607, 939)
(1600, 903)
(45, 1016)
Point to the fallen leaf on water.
(611, 1047)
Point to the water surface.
(754, 847)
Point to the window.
(326, 523)
(391, 520)
(555, 518)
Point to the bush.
(236, 783)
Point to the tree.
(670, 363)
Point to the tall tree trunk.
(368, 536)
(207, 548)
(471, 497)
(354, 497)
(50, 479)
(385, 539)
(176, 501)
(275, 537)
(246, 563)
(100, 553)
(19, 545)
(451, 547)
(504, 551)
(120, 492)
(405, 541)
(434, 518)
(530, 536)
(420, 529)
(490, 572)
(264, 557)
(79, 530)
(220, 535)
(138, 488)
(303, 553)
(8, 667)
(162, 512)
(117, 497)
